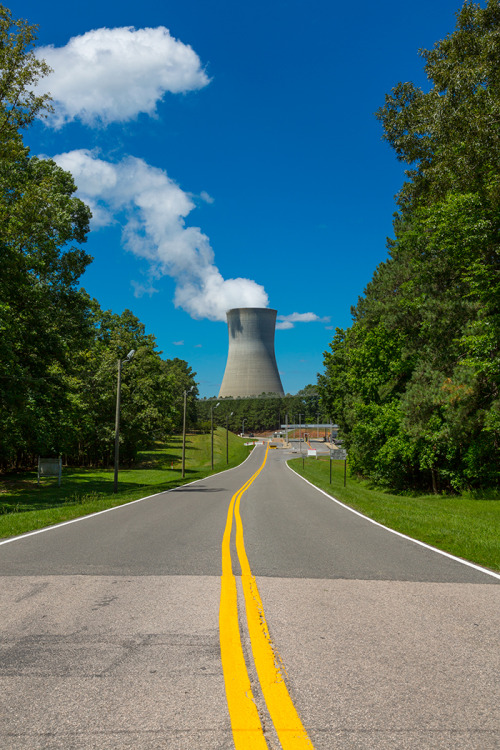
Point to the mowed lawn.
(466, 525)
(24, 506)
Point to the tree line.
(414, 381)
(260, 413)
(60, 350)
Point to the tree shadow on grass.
(158, 458)
(80, 486)
(20, 492)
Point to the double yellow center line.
(246, 725)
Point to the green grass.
(25, 507)
(466, 525)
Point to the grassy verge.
(467, 525)
(25, 507)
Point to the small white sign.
(312, 453)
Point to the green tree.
(415, 381)
(43, 316)
(20, 70)
(149, 392)
(180, 378)
(450, 135)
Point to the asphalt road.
(110, 635)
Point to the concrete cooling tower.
(251, 363)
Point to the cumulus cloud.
(151, 209)
(285, 322)
(111, 75)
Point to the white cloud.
(151, 208)
(111, 75)
(206, 197)
(178, 343)
(285, 322)
(141, 289)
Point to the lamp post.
(300, 432)
(184, 432)
(243, 428)
(117, 415)
(227, 436)
(212, 431)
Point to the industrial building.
(251, 367)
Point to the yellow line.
(245, 722)
(270, 670)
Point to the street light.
(227, 436)
(212, 430)
(117, 415)
(243, 429)
(184, 432)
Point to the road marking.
(397, 533)
(270, 669)
(245, 720)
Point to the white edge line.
(117, 507)
(398, 533)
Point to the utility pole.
(184, 437)
(212, 432)
(117, 415)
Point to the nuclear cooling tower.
(251, 364)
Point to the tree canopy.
(414, 382)
(20, 70)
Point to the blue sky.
(233, 160)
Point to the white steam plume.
(151, 209)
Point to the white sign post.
(339, 455)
